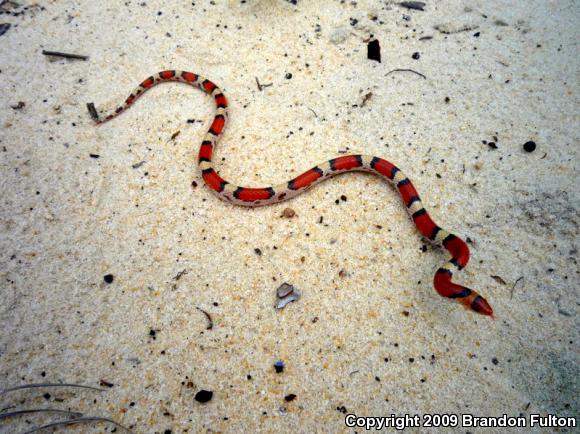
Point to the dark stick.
(262, 86)
(65, 55)
(516, 282)
(406, 70)
(210, 321)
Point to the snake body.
(251, 197)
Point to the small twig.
(139, 164)
(19, 106)
(65, 55)
(315, 115)
(514, 285)
(210, 321)
(498, 279)
(39, 410)
(406, 70)
(174, 136)
(75, 421)
(34, 385)
(262, 86)
(180, 274)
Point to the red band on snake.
(246, 196)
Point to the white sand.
(68, 219)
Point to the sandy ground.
(369, 336)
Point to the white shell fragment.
(286, 294)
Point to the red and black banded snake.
(246, 196)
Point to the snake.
(253, 197)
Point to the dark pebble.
(288, 75)
(290, 397)
(492, 145)
(4, 28)
(374, 50)
(419, 6)
(279, 367)
(530, 146)
(416, 55)
(204, 396)
(108, 278)
(494, 361)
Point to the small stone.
(374, 50)
(290, 397)
(284, 289)
(530, 146)
(108, 278)
(204, 396)
(419, 6)
(286, 294)
(288, 213)
(339, 35)
(279, 366)
(416, 55)
(4, 27)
